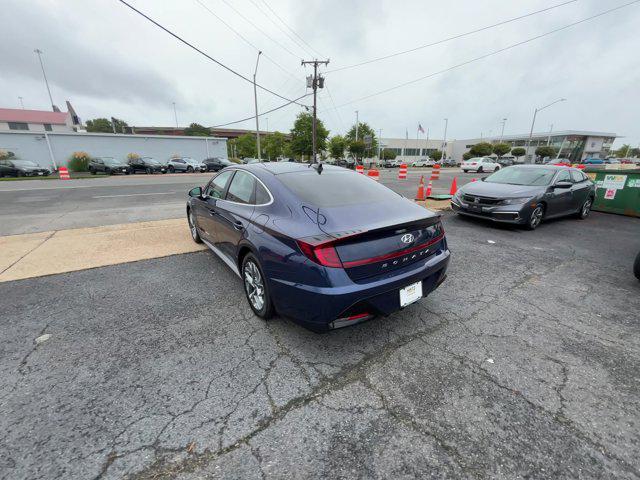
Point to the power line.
(203, 5)
(260, 30)
(279, 27)
(335, 108)
(291, 29)
(268, 111)
(366, 62)
(177, 37)
(495, 52)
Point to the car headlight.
(515, 201)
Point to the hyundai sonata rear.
(326, 247)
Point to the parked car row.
(150, 165)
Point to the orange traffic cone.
(454, 186)
(428, 194)
(420, 193)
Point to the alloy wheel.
(254, 285)
(536, 217)
(586, 208)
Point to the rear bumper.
(318, 307)
(515, 214)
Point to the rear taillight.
(473, 163)
(323, 254)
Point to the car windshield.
(25, 163)
(522, 176)
(110, 161)
(150, 160)
(335, 188)
(475, 159)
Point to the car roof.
(277, 168)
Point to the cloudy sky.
(108, 61)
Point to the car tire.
(535, 218)
(496, 169)
(583, 213)
(92, 171)
(148, 171)
(20, 174)
(171, 169)
(107, 171)
(636, 267)
(480, 170)
(465, 171)
(189, 169)
(193, 227)
(256, 288)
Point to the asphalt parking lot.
(524, 364)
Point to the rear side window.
(577, 176)
(218, 184)
(241, 188)
(335, 188)
(262, 196)
(563, 176)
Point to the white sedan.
(480, 164)
(423, 162)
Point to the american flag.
(420, 129)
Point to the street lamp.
(21, 102)
(46, 82)
(535, 113)
(175, 113)
(357, 122)
(444, 141)
(504, 121)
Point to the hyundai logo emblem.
(407, 238)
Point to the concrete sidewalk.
(47, 253)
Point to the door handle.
(212, 212)
(238, 225)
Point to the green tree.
(624, 151)
(482, 149)
(302, 135)
(274, 145)
(388, 155)
(501, 149)
(436, 155)
(337, 146)
(197, 130)
(364, 130)
(518, 152)
(104, 125)
(246, 146)
(357, 148)
(546, 151)
(467, 155)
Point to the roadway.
(31, 206)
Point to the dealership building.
(575, 145)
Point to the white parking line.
(136, 194)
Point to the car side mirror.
(482, 179)
(563, 185)
(196, 192)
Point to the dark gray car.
(527, 194)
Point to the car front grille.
(478, 200)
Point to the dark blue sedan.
(322, 245)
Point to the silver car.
(186, 164)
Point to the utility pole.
(549, 137)
(379, 143)
(255, 101)
(357, 124)
(444, 141)
(175, 113)
(316, 82)
(46, 82)
(504, 121)
(21, 102)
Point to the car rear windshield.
(335, 188)
(522, 176)
(25, 163)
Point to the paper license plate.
(410, 294)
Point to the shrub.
(467, 156)
(132, 156)
(79, 162)
(4, 154)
